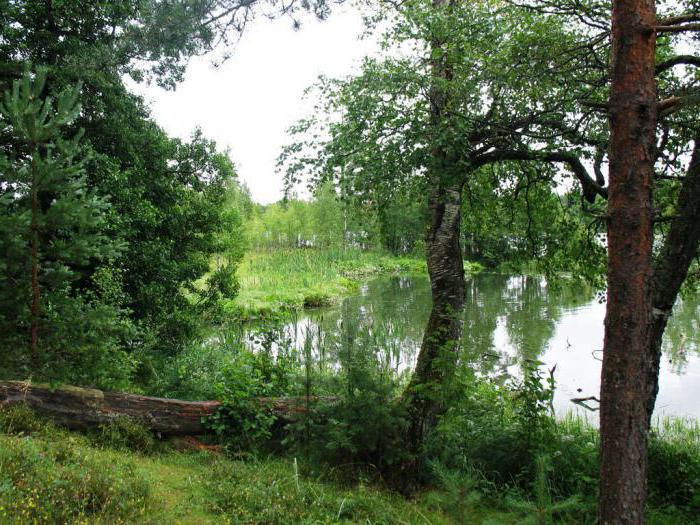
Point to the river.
(508, 320)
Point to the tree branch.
(677, 29)
(681, 19)
(689, 60)
(677, 254)
(590, 187)
(681, 245)
(671, 105)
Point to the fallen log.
(83, 408)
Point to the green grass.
(60, 479)
(49, 475)
(271, 282)
(63, 478)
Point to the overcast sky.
(247, 104)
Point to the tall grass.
(296, 278)
(50, 476)
(275, 492)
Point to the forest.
(476, 301)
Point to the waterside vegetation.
(131, 260)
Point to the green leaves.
(244, 421)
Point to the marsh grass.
(273, 281)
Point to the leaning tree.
(476, 89)
(467, 85)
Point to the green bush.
(243, 422)
(195, 372)
(20, 419)
(365, 429)
(365, 424)
(124, 433)
(479, 430)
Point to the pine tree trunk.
(35, 290)
(627, 363)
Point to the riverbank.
(282, 280)
(121, 474)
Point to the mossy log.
(83, 408)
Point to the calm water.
(508, 320)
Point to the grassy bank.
(279, 280)
(48, 475)
(64, 479)
(274, 281)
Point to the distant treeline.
(326, 220)
(498, 226)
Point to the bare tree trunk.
(36, 292)
(672, 266)
(443, 332)
(627, 364)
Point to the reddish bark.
(625, 389)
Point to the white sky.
(247, 104)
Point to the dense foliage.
(154, 206)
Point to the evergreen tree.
(52, 236)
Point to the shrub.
(20, 419)
(243, 422)
(365, 424)
(499, 430)
(200, 366)
(124, 433)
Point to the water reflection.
(508, 319)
